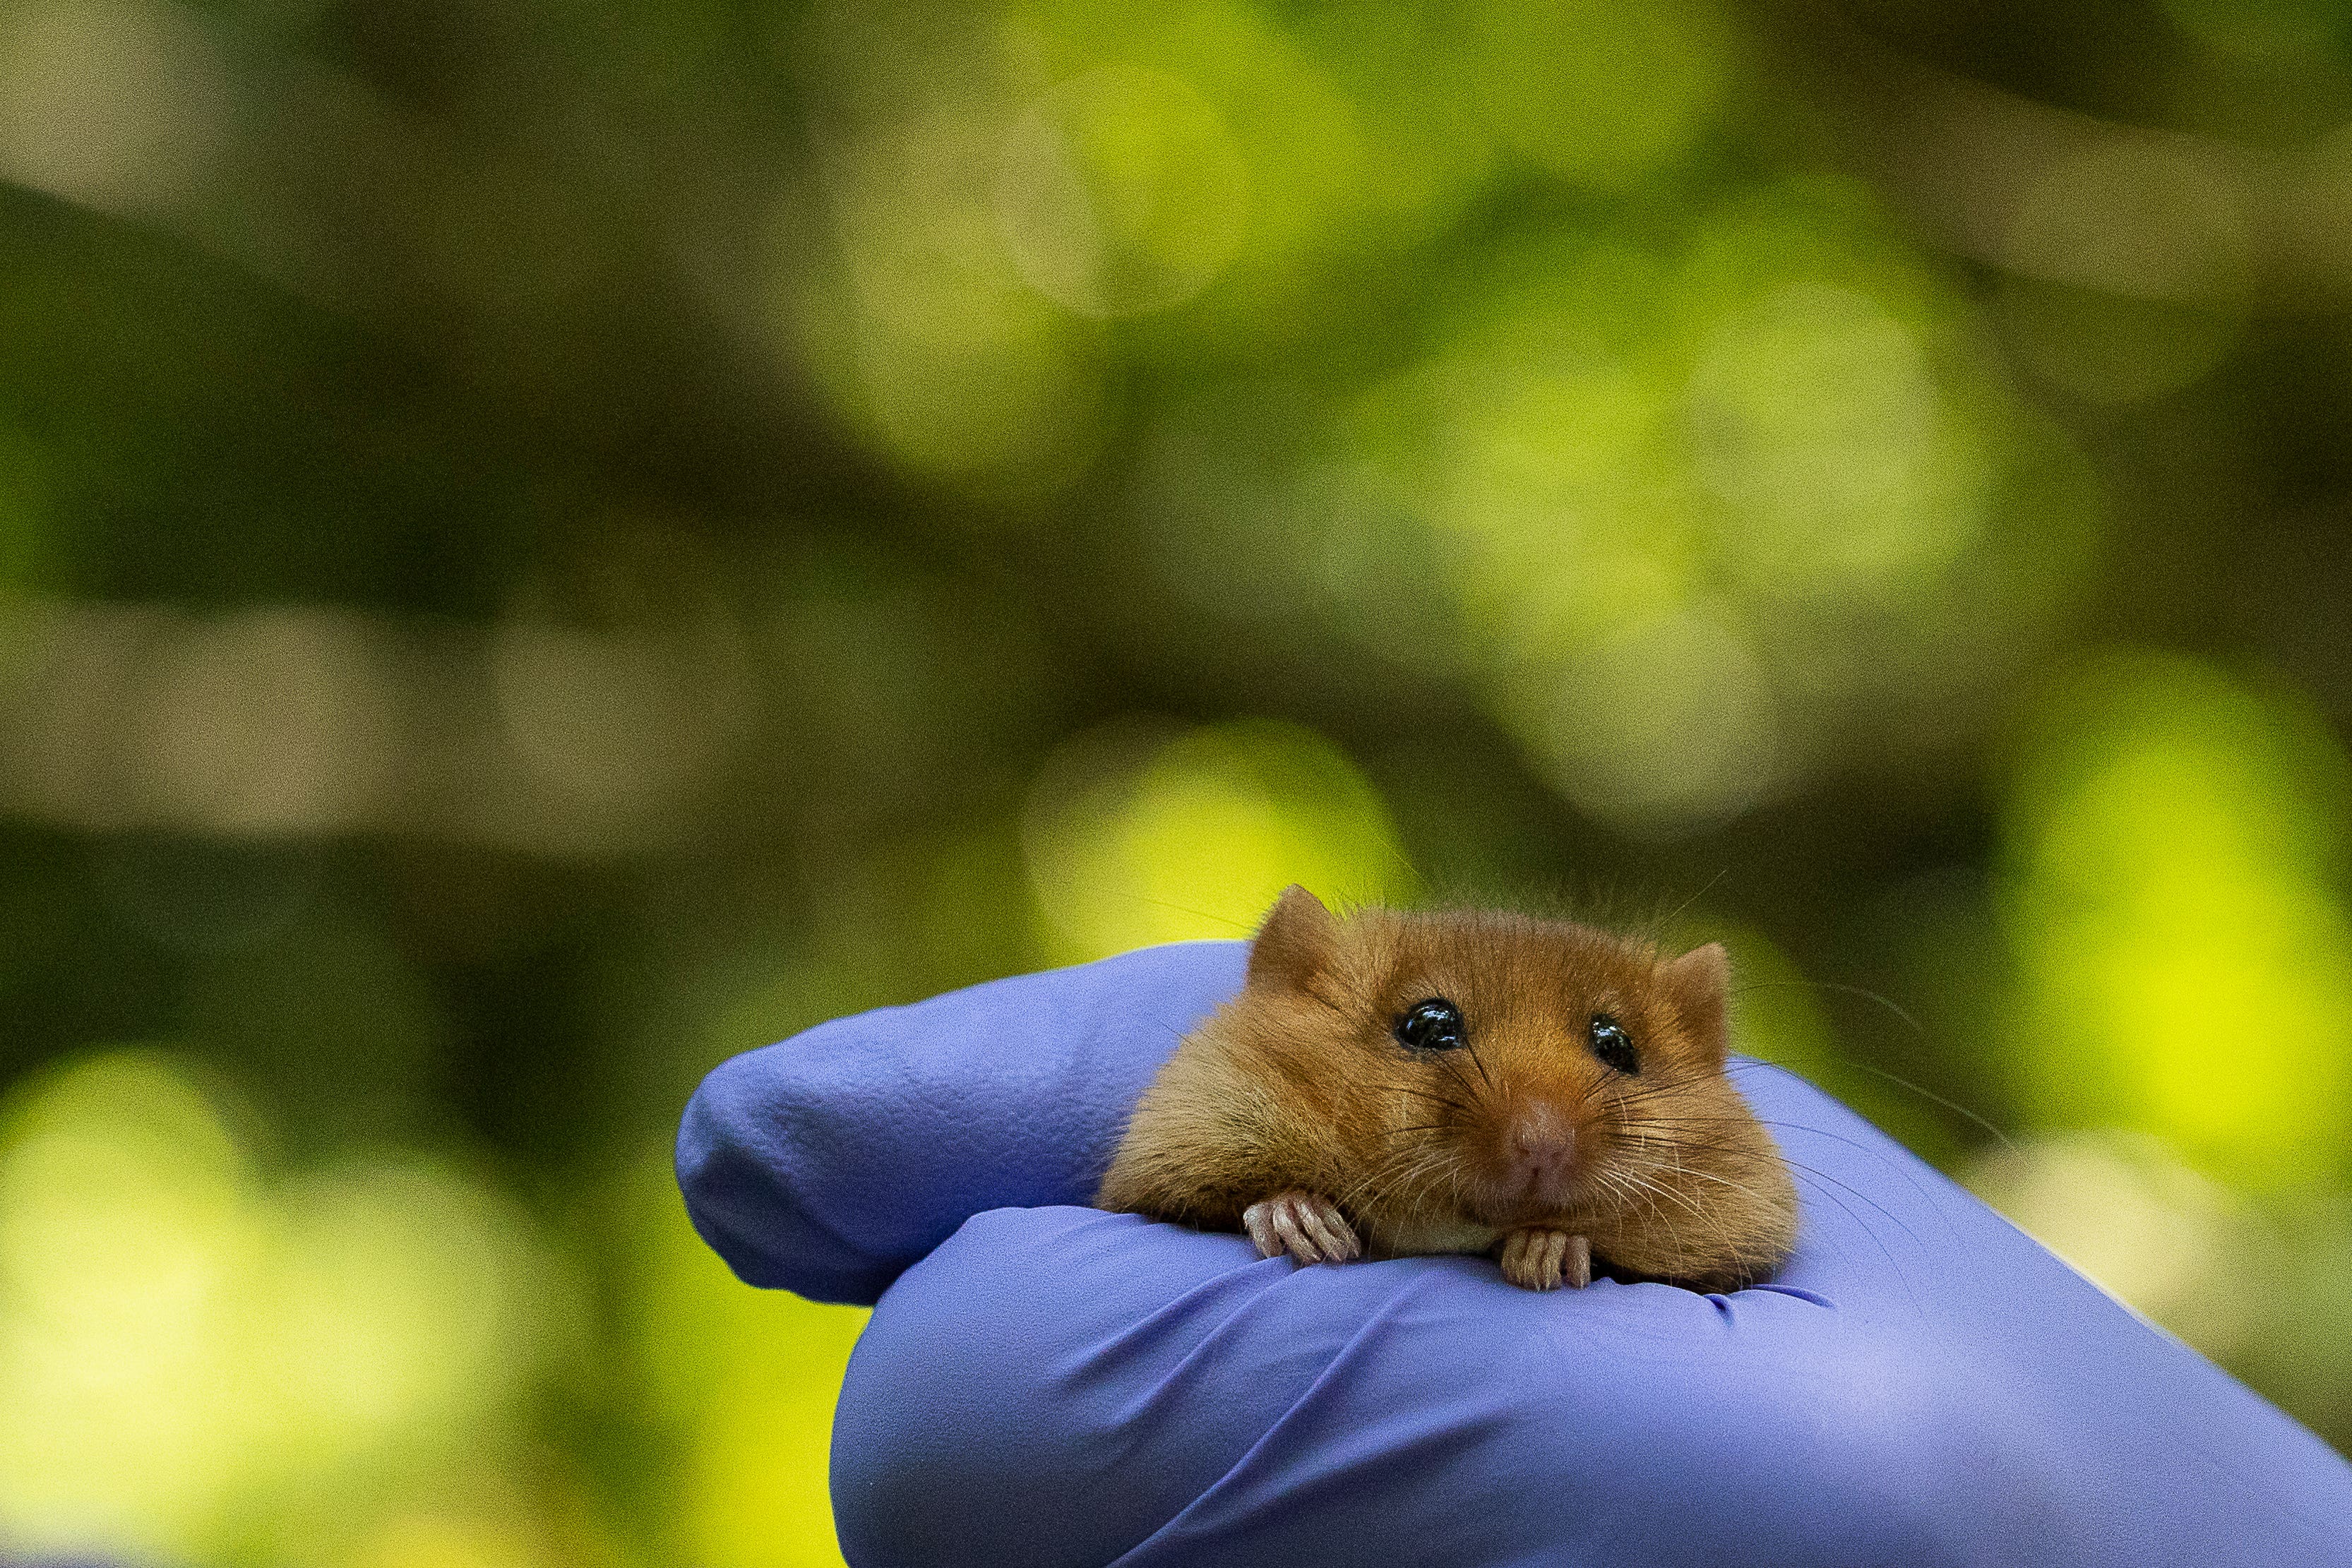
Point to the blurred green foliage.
(542, 547)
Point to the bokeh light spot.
(452, 1538)
(2155, 220)
(622, 681)
(128, 1219)
(408, 1302)
(924, 335)
(1817, 417)
(745, 1381)
(186, 1350)
(1136, 836)
(1597, 91)
(2122, 1209)
(1696, 504)
(270, 723)
(117, 104)
(2184, 951)
(1664, 728)
(1121, 192)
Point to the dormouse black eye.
(1432, 1025)
(1613, 1045)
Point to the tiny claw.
(1308, 1227)
(1542, 1260)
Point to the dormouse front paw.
(1306, 1226)
(1541, 1260)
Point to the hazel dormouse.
(1399, 1084)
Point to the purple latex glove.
(1043, 1384)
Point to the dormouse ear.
(1699, 982)
(1296, 943)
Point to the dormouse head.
(1510, 1071)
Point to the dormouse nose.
(1542, 1146)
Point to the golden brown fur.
(1299, 1085)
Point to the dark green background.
(542, 545)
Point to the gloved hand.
(1043, 1384)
